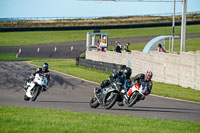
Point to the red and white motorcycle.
(135, 93)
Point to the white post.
(173, 25)
(170, 44)
(87, 41)
(183, 26)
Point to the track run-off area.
(70, 93)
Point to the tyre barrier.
(98, 65)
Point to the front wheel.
(110, 99)
(94, 102)
(35, 93)
(133, 99)
(26, 98)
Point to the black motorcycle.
(106, 96)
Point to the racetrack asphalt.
(69, 93)
(63, 50)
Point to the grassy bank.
(35, 120)
(45, 37)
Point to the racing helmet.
(148, 75)
(45, 66)
(127, 72)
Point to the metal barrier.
(103, 66)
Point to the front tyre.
(26, 98)
(94, 102)
(110, 99)
(35, 93)
(133, 99)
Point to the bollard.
(19, 52)
(38, 50)
(55, 49)
(72, 48)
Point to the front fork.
(28, 92)
(95, 95)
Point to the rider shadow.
(55, 79)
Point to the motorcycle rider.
(144, 79)
(44, 70)
(122, 77)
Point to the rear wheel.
(35, 93)
(94, 102)
(110, 99)
(133, 99)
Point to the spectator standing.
(118, 48)
(98, 46)
(126, 47)
(160, 48)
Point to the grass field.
(45, 37)
(35, 120)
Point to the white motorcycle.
(135, 93)
(35, 87)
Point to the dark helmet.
(148, 75)
(120, 72)
(45, 66)
(127, 72)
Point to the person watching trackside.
(126, 47)
(160, 48)
(118, 47)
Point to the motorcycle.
(106, 96)
(135, 94)
(35, 87)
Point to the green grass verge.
(12, 57)
(35, 120)
(45, 37)
(68, 66)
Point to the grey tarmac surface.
(70, 93)
(64, 49)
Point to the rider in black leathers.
(122, 76)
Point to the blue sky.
(76, 8)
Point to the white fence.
(180, 69)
